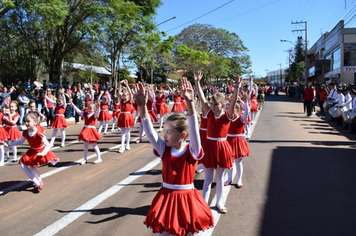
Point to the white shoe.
(83, 162)
(200, 171)
(128, 147)
(98, 161)
(14, 160)
(122, 149)
(62, 145)
(2, 163)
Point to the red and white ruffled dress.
(12, 130)
(104, 112)
(253, 104)
(59, 120)
(125, 119)
(116, 110)
(36, 146)
(177, 107)
(4, 135)
(178, 208)
(218, 152)
(89, 132)
(235, 137)
(161, 105)
(151, 112)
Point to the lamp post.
(284, 40)
(152, 59)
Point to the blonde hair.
(218, 97)
(180, 122)
(34, 115)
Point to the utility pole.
(306, 46)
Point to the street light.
(284, 40)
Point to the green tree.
(227, 54)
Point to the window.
(336, 59)
(350, 55)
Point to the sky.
(260, 24)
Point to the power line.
(247, 12)
(201, 16)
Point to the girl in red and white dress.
(115, 112)
(89, 98)
(125, 121)
(177, 99)
(253, 102)
(178, 208)
(59, 121)
(11, 118)
(39, 152)
(161, 106)
(203, 133)
(4, 136)
(218, 152)
(239, 145)
(41, 117)
(89, 133)
(151, 113)
(104, 116)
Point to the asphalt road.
(298, 180)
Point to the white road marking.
(70, 217)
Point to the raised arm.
(50, 100)
(141, 96)
(80, 112)
(187, 93)
(197, 77)
(128, 90)
(237, 86)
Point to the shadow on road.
(311, 192)
(117, 211)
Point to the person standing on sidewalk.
(309, 96)
(323, 93)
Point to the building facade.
(333, 57)
(276, 77)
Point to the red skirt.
(31, 158)
(4, 135)
(179, 212)
(125, 120)
(254, 107)
(162, 109)
(59, 122)
(177, 108)
(104, 115)
(217, 154)
(14, 133)
(115, 114)
(239, 146)
(152, 117)
(90, 135)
